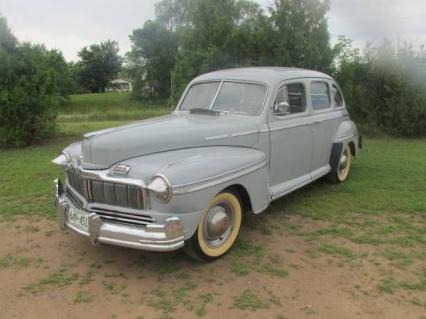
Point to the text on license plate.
(78, 218)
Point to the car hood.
(102, 149)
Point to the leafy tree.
(221, 34)
(173, 14)
(100, 63)
(7, 39)
(385, 87)
(151, 59)
(232, 33)
(32, 84)
(301, 34)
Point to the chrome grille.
(77, 182)
(78, 203)
(122, 217)
(114, 194)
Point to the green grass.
(249, 300)
(336, 250)
(108, 107)
(19, 261)
(82, 297)
(57, 279)
(97, 103)
(389, 176)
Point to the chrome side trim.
(283, 127)
(244, 133)
(216, 137)
(218, 179)
(183, 161)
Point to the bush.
(386, 88)
(31, 86)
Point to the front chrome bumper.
(154, 237)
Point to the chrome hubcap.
(218, 224)
(343, 162)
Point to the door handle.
(317, 121)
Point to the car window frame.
(222, 81)
(334, 83)
(301, 81)
(328, 109)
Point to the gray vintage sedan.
(237, 140)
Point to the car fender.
(347, 133)
(198, 174)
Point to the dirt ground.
(48, 273)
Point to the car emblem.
(121, 169)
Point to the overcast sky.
(69, 25)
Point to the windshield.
(232, 97)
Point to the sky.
(70, 25)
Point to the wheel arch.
(352, 148)
(243, 195)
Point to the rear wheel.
(217, 230)
(341, 173)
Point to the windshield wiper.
(199, 110)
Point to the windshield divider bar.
(215, 96)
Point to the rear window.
(320, 96)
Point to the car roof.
(269, 75)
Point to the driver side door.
(291, 139)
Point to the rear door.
(325, 119)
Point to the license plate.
(78, 218)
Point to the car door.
(325, 118)
(290, 139)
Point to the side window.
(320, 96)
(338, 98)
(290, 99)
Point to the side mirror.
(281, 108)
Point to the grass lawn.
(111, 106)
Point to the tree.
(385, 87)
(99, 64)
(7, 39)
(33, 81)
(301, 35)
(221, 34)
(173, 14)
(154, 48)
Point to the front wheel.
(217, 230)
(343, 167)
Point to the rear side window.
(320, 96)
(337, 96)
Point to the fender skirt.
(336, 151)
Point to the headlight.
(161, 188)
(62, 160)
